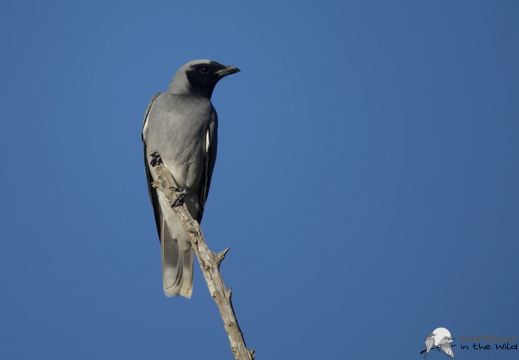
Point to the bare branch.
(221, 256)
(209, 263)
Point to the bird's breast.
(177, 130)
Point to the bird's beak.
(228, 70)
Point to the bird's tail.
(177, 266)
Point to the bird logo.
(440, 338)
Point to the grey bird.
(445, 345)
(180, 132)
(429, 343)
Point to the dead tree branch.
(210, 264)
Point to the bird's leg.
(179, 201)
(155, 159)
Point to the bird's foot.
(179, 201)
(155, 159)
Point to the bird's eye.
(204, 70)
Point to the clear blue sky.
(367, 179)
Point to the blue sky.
(366, 181)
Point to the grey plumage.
(446, 346)
(429, 343)
(181, 126)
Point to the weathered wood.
(210, 265)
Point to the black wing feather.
(149, 179)
(209, 164)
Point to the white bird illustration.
(441, 338)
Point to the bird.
(429, 343)
(444, 344)
(441, 338)
(180, 132)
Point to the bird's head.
(199, 77)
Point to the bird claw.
(155, 159)
(179, 201)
